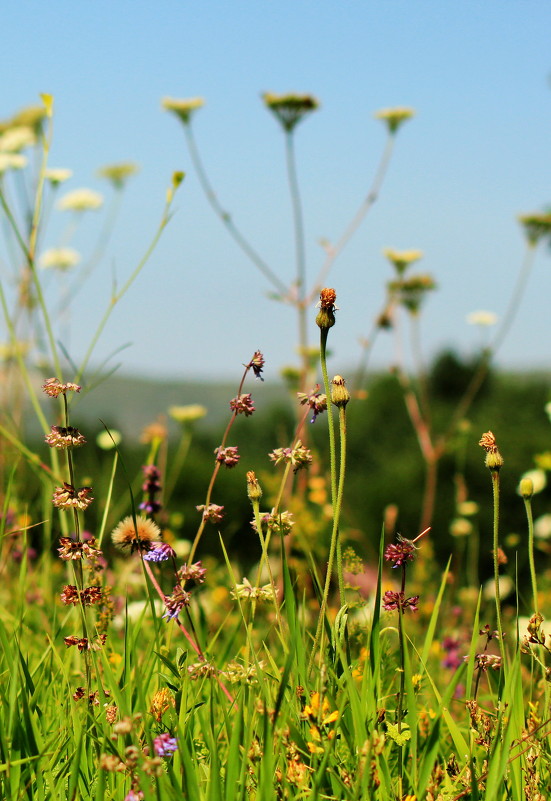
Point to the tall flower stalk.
(494, 462)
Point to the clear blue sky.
(477, 154)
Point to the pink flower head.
(229, 456)
(243, 404)
(397, 601)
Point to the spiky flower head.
(138, 535)
(394, 117)
(54, 387)
(290, 109)
(298, 456)
(211, 513)
(118, 174)
(69, 497)
(242, 404)
(73, 549)
(494, 459)
(402, 259)
(64, 438)
(315, 399)
(184, 109)
(229, 456)
(327, 308)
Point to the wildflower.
(243, 404)
(276, 522)
(394, 117)
(451, 647)
(165, 745)
(326, 314)
(195, 572)
(151, 487)
(57, 175)
(211, 513)
(54, 388)
(401, 553)
(80, 200)
(84, 644)
(229, 456)
(87, 597)
(402, 259)
(484, 661)
(111, 762)
(397, 601)
(494, 460)
(161, 702)
(12, 161)
(200, 670)
(236, 672)
(256, 364)
(254, 490)
(175, 603)
(187, 414)
(298, 456)
(339, 393)
(154, 432)
(536, 478)
(133, 795)
(63, 438)
(316, 400)
(59, 258)
(118, 174)
(107, 440)
(247, 592)
(410, 292)
(17, 138)
(467, 508)
(542, 527)
(159, 552)
(138, 536)
(536, 226)
(183, 108)
(68, 497)
(72, 549)
(482, 318)
(290, 109)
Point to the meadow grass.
(135, 666)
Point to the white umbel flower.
(80, 200)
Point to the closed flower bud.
(339, 393)
(326, 314)
(526, 488)
(254, 490)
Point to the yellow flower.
(16, 139)
(290, 109)
(57, 175)
(12, 161)
(118, 173)
(80, 200)
(59, 258)
(401, 259)
(183, 108)
(187, 414)
(394, 117)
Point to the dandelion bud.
(254, 490)
(526, 488)
(339, 393)
(494, 459)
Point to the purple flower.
(175, 603)
(160, 552)
(397, 600)
(165, 745)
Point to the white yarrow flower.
(16, 139)
(482, 317)
(59, 258)
(57, 175)
(80, 200)
(12, 161)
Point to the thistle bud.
(254, 490)
(326, 314)
(339, 393)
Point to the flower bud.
(339, 393)
(326, 314)
(526, 488)
(254, 490)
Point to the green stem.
(299, 253)
(495, 488)
(530, 518)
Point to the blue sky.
(476, 155)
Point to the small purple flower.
(401, 553)
(397, 600)
(211, 513)
(151, 487)
(243, 404)
(175, 603)
(257, 364)
(227, 456)
(165, 745)
(315, 400)
(195, 572)
(159, 552)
